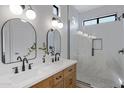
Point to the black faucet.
(29, 67)
(19, 58)
(16, 70)
(43, 59)
(23, 65)
(57, 58)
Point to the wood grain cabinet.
(59, 85)
(70, 77)
(58, 80)
(43, 84)
(63, 79)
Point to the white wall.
(107, 66)
(74, 27)
(42, 24)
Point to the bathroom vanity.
(63, 79)
(60, 74)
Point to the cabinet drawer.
(69, 70)
(42, 84)
(57, 78)
(59, 85)
(69, 82)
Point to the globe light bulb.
(60, 25)
(54, 23)
(30, 14)
(16, 9)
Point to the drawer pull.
(58, 77)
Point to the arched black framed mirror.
(53, 40)
(18, 38)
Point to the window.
(105, 19)
(90, 22)
(56, 10)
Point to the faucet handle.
(29, 67)
(53, 60)
(58, 58)
(19, 58)
(16, 70)
(25, 59)
(43, 60)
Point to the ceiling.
(83, 8)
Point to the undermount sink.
(27, 76)
(23, 76)
(4, 81)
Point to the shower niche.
(97, 44)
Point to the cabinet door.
(57, 78)
(69, 70)
(59, 85)
(42, 84)
(69, 81)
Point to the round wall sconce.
(18, 10)
(30, 14)
(60, 25)
(56, 23)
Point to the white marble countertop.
(38, 73)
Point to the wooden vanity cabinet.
(63, 79)
(70, 77)
(43, 84)
(57, 80)
(59, 85)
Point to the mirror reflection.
(18, 39)
(54, 41)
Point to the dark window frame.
(57, 8)
(100, 18)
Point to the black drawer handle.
(58, 77)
